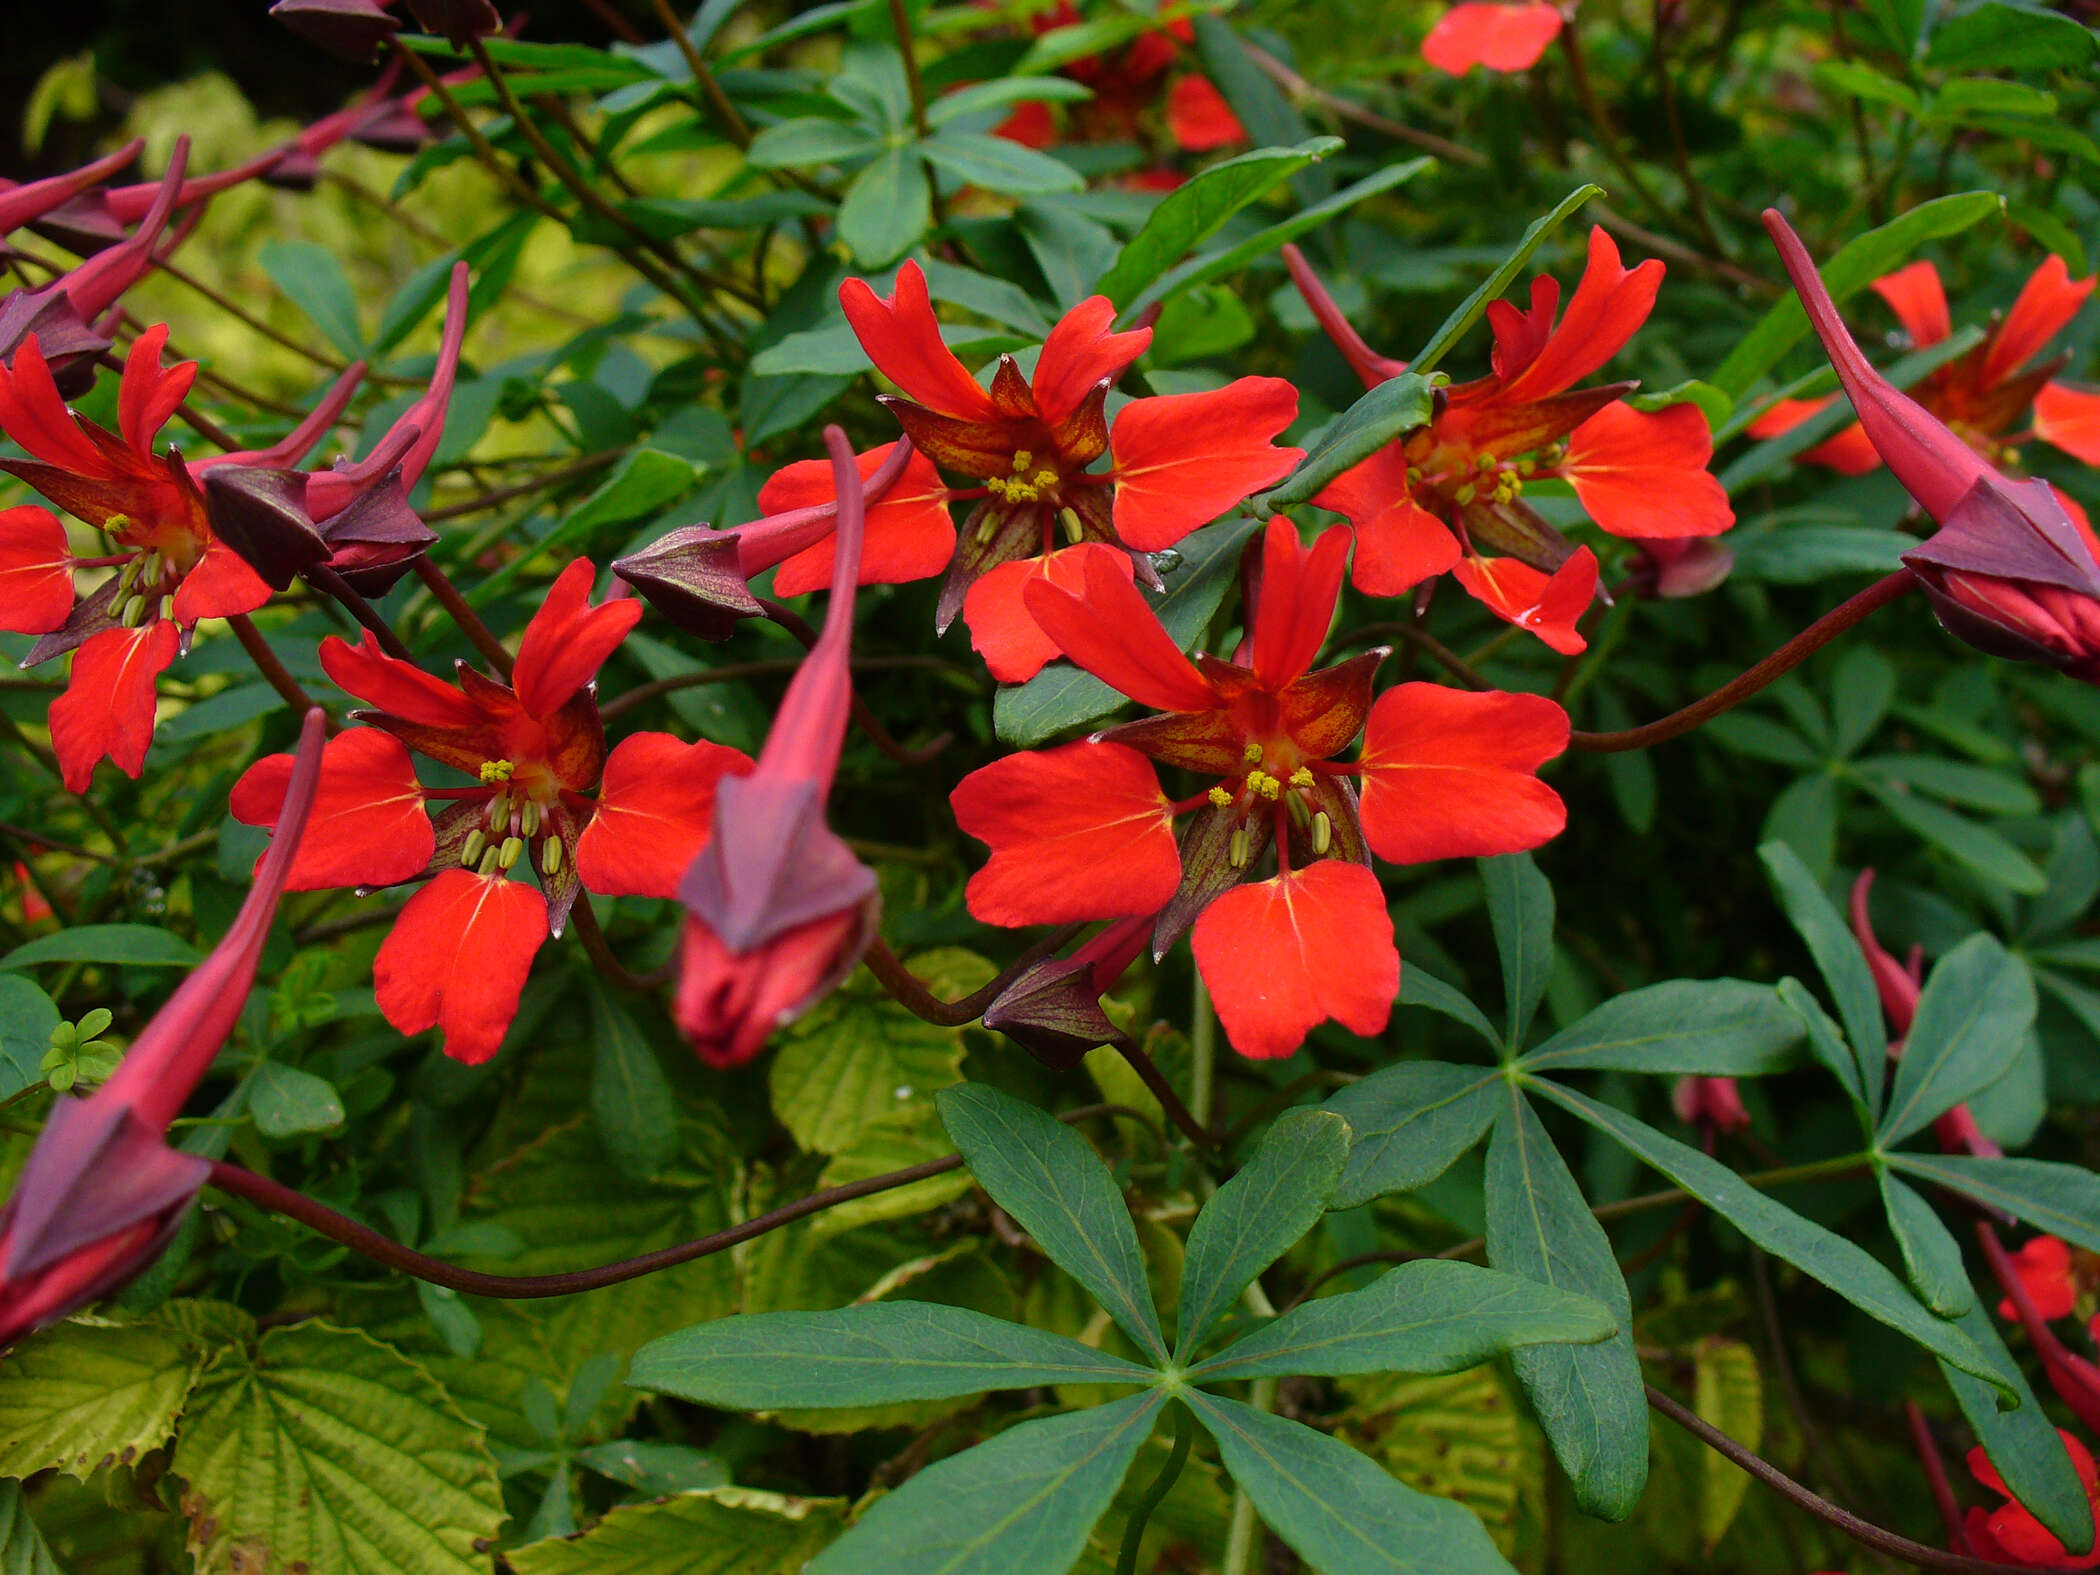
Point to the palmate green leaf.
(814, 140)
(1399, 404)
(1844, 969)
(631, 1099)
(1061, 696)
(1419, 987)
(286, 1102)
(1054, 1185)
(1194, 211)
(2022, 1443)
(721, 1531)
(79, 1396)
(1520, 908)
(644, 482)
(1841, 1264)
(2063, 1200)
(1430, 1316)
(1961, 839)
(27, 1017)
(1474, 307)
(1589, 1398)
(1020, 1504)
(314, 281)
(1976, 1007)
(888, 206)
(1856, 264)
(333, 1452)
(1706, 1027)
(998, 165)
(1931, 1256)
(1343, 1514)
(23, 1550)
(1001, 92)
(1789, 552)
(1995, 36)
(1826, 1044)
(871, 1355)
(126, 945)
(1255, 1217)
(1409, 1122)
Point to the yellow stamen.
(1239, 849)
(1046, 478)
(550, 856)
(1264, 784)
(134, 612)
(486, 865)
(1301, 817)
(1302, 777)
(1323, 833)
(493, 771)
(471, 850)
(1075, 531)
(1251, 754)
(1484, 462)
(1220, 795)
(986, 530)
(1022, 460)
(167, 608)
(507, 855)
(529, 820)
(1464, 494)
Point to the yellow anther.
(1251, 754)
(129, 574)
(1323, 833)
(1239, 849)
(529, 818)
(471, 850)
(987, 528)
(1302, 777)
(1046, 478)
(1021, 492)
(486, 864)
(1414, 475)
(493, 771)
(116, 524)
(550, 856)
(1301, 817)
(1485, 462)
(134, 612)
(507, 855)
(167, 608)
(1075, 531)
(1220, 795)
(1464, 494)
(995, 485)
(499, 811)
(1264, 784)
(1022, 460)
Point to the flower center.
(1285, 797)
(145, 587)
(1030, 483)
(513, 819)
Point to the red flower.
(1449, 497)
(1713, 1102)
(2010, 1534)
(2044, 1267)
(460, 950)
(778, 908)
(1499, 37)
(1176, 462)
(1979, 395)
(1085, 832)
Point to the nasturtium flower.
(1085, 831)
(541, 795)
(1498, 37)
(1982, 393)
(1176, 461)
(1450, 496)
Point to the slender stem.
(1162, 1090)
(731, 672)
(907, 990)
(329, 583)
(1677, 251)
(1134, 1535)
(1864, 1532)
(733, 122)
(1870, 178)
(1425, 642)
(900, 26)
(609, 967)
(863, 718)
(1297, 87)
(1203, 1054)
(248, 319)
(468, 620)
(520, 489)
(266, 662)
(1681, 154)
(1935, 1472)
(1602, 123)
(1737, 690)
(37, 839)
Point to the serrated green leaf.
(720, 1531)
(81, 1395)
(1976, 1007)
(1474, 307)
(1520, 909)
(1705, 1027)
(1253, 1219)
(1398, 405)
(854, 1059)
(126, 945)
(1844, 969)
(1409, 1122)
(1054, 1185)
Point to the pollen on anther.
(493, 771)
(1251, 754)
(1302, 777)
(1220, 795)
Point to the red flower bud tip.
(1053, 1009)
(352, 30)
(780, 909)
(1689, 566)
(1367, 363)
(1936, 467)
(2076, 1380)
(31, 200)
(1958, 1133)
(1898, 989)
(102, 1193)
(1710, 1101)
(96, 284)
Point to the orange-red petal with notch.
(219, 585)
(1643, 472)
(909, 533)
(1448, 773)
(396, 687)
(1920, 304)
(1296, 603)
(107, 708)
(1609, 305)
(1548, 605)
(656, 810)
(1183, 459)
(36, 571)
(1281, 956)
(2069, 418)
(1499, 37)
(1115, 635)
(367, 827)
(1399, 543)
(457, 959)
(1079, 353)
(147, 396)
(1199, 119)
(2049, 300)
(1003, 631)
(568, 640)
(35, 416)
(1080, 832)
(903, 339)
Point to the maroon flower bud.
(1053, 1009)
(102, 1193)
(31, 200)
(353, 30)
(1690, 566)
(1710, 1102)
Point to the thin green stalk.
(1184, 1436)
(1241, 1542)
(1203, 1050)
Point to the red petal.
(1199, 118)
(2049, 300)
(1399, 543)
(219, 585)
(1030, 124)
(1450, 774)
(1914, 294)
(656, 810)
(568, 640)
(1081, 832)
(909, 534)
(457, 959)
(1848, 451)
(1183, 459)
(396, 687)
(367, 827)
(107, 708)
(1283, 955)
(1610, 304)
(1002, 630)
(903, 339)
(1548, 606)
(1643, 472)
(33, 414)
(148, 396)
(36, 571)
(1079, 353)
(1499, 37)
(1115, 635)
(2069, 418)
(1296, 603)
